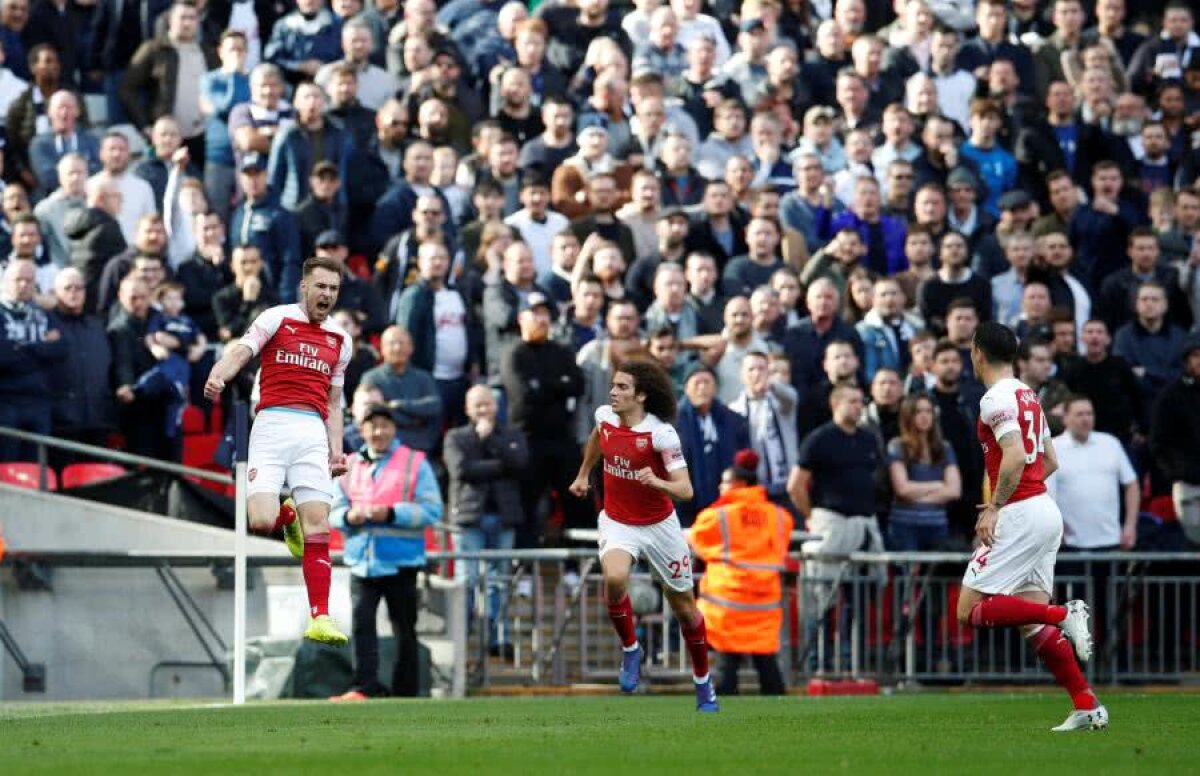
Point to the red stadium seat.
(229, 491)
(193, 420)
(79, 474)
(25, 475)
(199, 449)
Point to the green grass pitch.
(920, 734)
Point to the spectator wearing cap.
(384, 502)
(1017, 214)
(1174, 429)
(965, 215)
(748, 65)
(31, 347)
(486, 461)
(303, 40)
(294, 150)
(710, 434)
(672, 231)
(410, 392)
(446, 341)
(260, 221)
(324, 209)
(164, 78)
(356, 294)
(997, 166)
(65, 136)
(542, 384)
(536, 222)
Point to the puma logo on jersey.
(290, 329)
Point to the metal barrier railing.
(888, 616)
(44, 443)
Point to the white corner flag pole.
(239, 554)
(239, 586)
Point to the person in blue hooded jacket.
(383, 504)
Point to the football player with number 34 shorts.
(644, 470)
(1010, 579)
(297, 433)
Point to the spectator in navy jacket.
(260, 221)
(30, 346)
(65, 136)
(710, 433)
(293, 153)
(83, 400)
(1150, 343)
(304, 40)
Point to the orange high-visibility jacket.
(743, 538)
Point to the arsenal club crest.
(332, 341)
(641, 444)
(250, 475)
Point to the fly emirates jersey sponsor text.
(1011, 405)
(300, 359)
(651, 443)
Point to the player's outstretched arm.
(591, 457)
(233, 361)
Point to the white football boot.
(1077, 629)
(1092, 719)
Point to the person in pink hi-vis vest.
(383, 503)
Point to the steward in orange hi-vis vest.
(743, 538)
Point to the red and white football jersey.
(300, 360)
(1011, 405)
(651, 443)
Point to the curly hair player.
(644, 470)
(297, 434)
(1010, 579)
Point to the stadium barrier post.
(240, 420)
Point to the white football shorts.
(1028, 534)
(290, 446)
(661, 544)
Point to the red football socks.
(317, 572)
(286, 516)
(621, 614)
(1059, 658)
(696, 637)
(999, 611)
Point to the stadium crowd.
(773, 199)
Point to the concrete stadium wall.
(100, 632)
